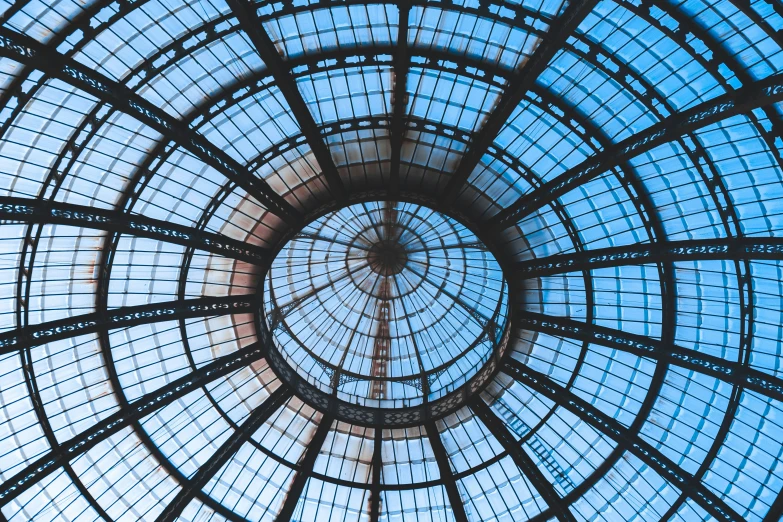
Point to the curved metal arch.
(127, 415)
(524, 79)
(625, 439)
(26, 50)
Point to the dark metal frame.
(398, 129)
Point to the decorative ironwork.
(124, 317)
(762, 93)
(26, 50)
(222, 455)
(621, 435)
(729, 371)
(38, 211)
(134, 412)
(737, 248)
(560, 30)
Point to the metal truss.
(250, 24)
(734, 248)
(729, 371)
(132, 413)
(626, 440)
(306, 465)
(401, 68)
(553, 41)
(446, 475)
(760, 94)
(224, 453)
(27, 210)
(524, 462)
(127, 316)
(24, 49)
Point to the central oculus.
(386, 305)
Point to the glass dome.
(344, 260)
(386, 305)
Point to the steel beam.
(554, 40)
(134, 412)
(524, 462)
(760, 94)
(626, 440)
(401, 68)
(446, 475)
(250, 24)
(39, 211)
(729, 371)
(376, 485)
(223, 454)
(28, 51)
(34, 335)
(729, 249)
(306, 466)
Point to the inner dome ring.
(386, 308)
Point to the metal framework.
(145, 405)
(523, 461)
(729, 371)
(306, 465)
(224, 453)
(446, 475)
(625, 439)
(124, 317)
(760, 94)
(735, 248)
(51, 212)
(28, 51)
(560, 30)
(729, 249)
(244, 11)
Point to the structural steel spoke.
(134, 412)
(37, 211)
(752, 96)
(554, 40)
(250, 24)
(401, 68)
(223, 454)
(446, 475)
(377, 487)
(639, 345)
(524, 462)
(624, 438)
(306, 466)
(730, 249)
(26, 50)
(123, 317)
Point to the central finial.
(387, 257)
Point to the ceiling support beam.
(306, 466)
(223, 454)
(728, 249)
(626, 440)
(401, 68)
(134, 412)
(446, 475)
(524, 462)
(760, 94)
(28, 51)
(731, 372)
(554, 40)
(124, 317)
(254, 28)
(28, 210)
(376, 487)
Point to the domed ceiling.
(463, 260)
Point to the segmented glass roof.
(513, 260)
